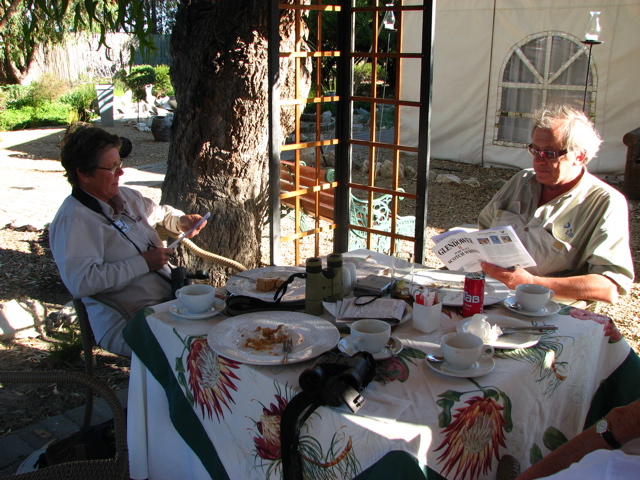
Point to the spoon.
(434, 358)
(390, 346)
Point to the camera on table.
(323, 284)
(337, 378)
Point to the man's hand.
(510, 278)
(157, 258)
(591, 287)
(187, 222)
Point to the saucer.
(179, 311)
(482, 367)
(551, 308)
(345, 346)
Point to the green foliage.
(362, 77)
(16, 119)
(14, 92)
(67, 351)
(80, 100)
(48, 89)
(45, 115)
(163, 86)
(139, 77)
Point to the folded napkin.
(389, 309)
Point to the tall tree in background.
(218, 155)
(29, 25)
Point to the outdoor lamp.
(389, 20)
(591, 38)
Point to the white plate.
(179, 311)
(346, 346)
(551, 308)
(482, 367)
(451, 284)
(312, 336)
(243, 286)
(514, 340)
(406, 316)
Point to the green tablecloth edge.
(621, 388)
(144, 344)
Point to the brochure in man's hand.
(464, 250)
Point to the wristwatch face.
(602, 426)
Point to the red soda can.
(473, 300)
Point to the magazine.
(464, 250)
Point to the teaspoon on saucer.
(434, 358)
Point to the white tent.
(478, 44)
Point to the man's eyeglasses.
(114, 169)
(547, 154)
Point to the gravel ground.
(28, 272)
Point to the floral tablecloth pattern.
(195, 414)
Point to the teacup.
(532, 297)
(370, 335)
(196, 298)
(462, 350)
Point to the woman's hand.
(157, 258)
(187, 222)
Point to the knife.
(540, 330)
(244, 276)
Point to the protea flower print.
(268, 441)
(610, 329)
(474, 436)
(210, 378)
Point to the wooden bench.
(358, 211)
(307, 180)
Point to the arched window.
(545, 68)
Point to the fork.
(287, 347)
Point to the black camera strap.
(240, 304)
(282, 289)
(92, 204)
(295, 414)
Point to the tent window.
(545, 68)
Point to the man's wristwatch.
(602, 428)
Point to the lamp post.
(388, 24)
(591, 38)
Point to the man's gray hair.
(571, 127)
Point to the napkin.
(379, 406)
(479, 326)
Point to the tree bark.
(218, 156)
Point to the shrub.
(163, 86)
(80, 99)
(46, 115)
(48, 88)
(139, 77)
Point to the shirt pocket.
(550, 254)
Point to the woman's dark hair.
(82, 149)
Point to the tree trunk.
(218, 156)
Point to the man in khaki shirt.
(575, 226)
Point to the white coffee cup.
(196, 298)
(461, 349)
(533, 297)
(370, 335)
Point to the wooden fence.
(80, 58)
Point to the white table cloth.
(195, 415)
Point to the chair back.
(115, 468)
(88, 342)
